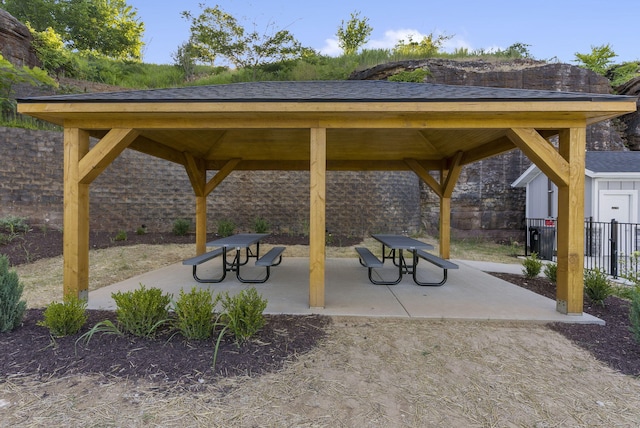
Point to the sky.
(555, 30)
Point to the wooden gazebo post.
(570, 283)
(317, 212)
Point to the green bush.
(11, 307)
(181, 227)
(63, 319)
(242, 313)
(260, 225)
(13, 225)
(634, 313)
(551, 272)
(143, 311)
(121, 236)
(597, 286)
(142, 230)
(226, 228)
(194, 314)
(532, 266)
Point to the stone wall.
(141, 190)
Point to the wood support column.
(317, 212)
(76, 216)
(570, 281)
(445, 227)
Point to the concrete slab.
(469, 294)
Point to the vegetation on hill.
(221, 50)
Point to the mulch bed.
(172, 359)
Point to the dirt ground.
(321, 371)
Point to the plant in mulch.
(181, 227)
(260, 225)
(11, 307)
(243, 313)
(597, 286)
(194, 314)
(66, 318)
(226, 228)
(634, 313)
(551, 272)
(121, 236)
(532, 266)
(141, 312)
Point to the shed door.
(615, 206)
(619, 205)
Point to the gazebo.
(319, 126)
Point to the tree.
(215, 33)
(428, 46)
(107, 27)
(598, 60)
(354, 35)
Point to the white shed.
(611, 187)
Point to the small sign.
(549, 222)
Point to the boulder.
(15, 41)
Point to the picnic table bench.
(432, 258)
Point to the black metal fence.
(611, 247)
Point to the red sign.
(549, 222)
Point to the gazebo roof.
(371, 125)
(326, 91)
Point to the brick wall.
(137, 189)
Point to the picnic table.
(393, 247)
(238, 242)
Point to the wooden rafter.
(221, 175)
(101, 156)
(542, 153)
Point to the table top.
(400, 242)
(240, 240)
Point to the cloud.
(391, 38)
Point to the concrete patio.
(469, 294)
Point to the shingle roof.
(602, 162)
(327, 91)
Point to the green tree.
(354, 35)
(51, 51)
(428, 46)
(598, 60)
(215, 33)
(107, 27)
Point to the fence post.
(613, 240)
(589, 251)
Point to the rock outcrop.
(15, 41)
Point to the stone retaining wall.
(140, 190)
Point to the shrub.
(242, 313)
(597, 286)
(143, 311)
(63, 319)
(634, 313)
(226, 228)
(121, 236)
(532, 266)
(142, 230)
(11, 307)
(551, 272)
(181, 227)
(13, 225)
(194, 313)
(260, 225)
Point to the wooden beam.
(201, 224)
(317, 236)
(541, 153)
(453, 174)
(424, 176)
(493, 148)
(222, 173)
(570, 282)
(76, 216)
(155, 149)
(103, 153)
(445, 227)
(196, 172)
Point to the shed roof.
(605, 164)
